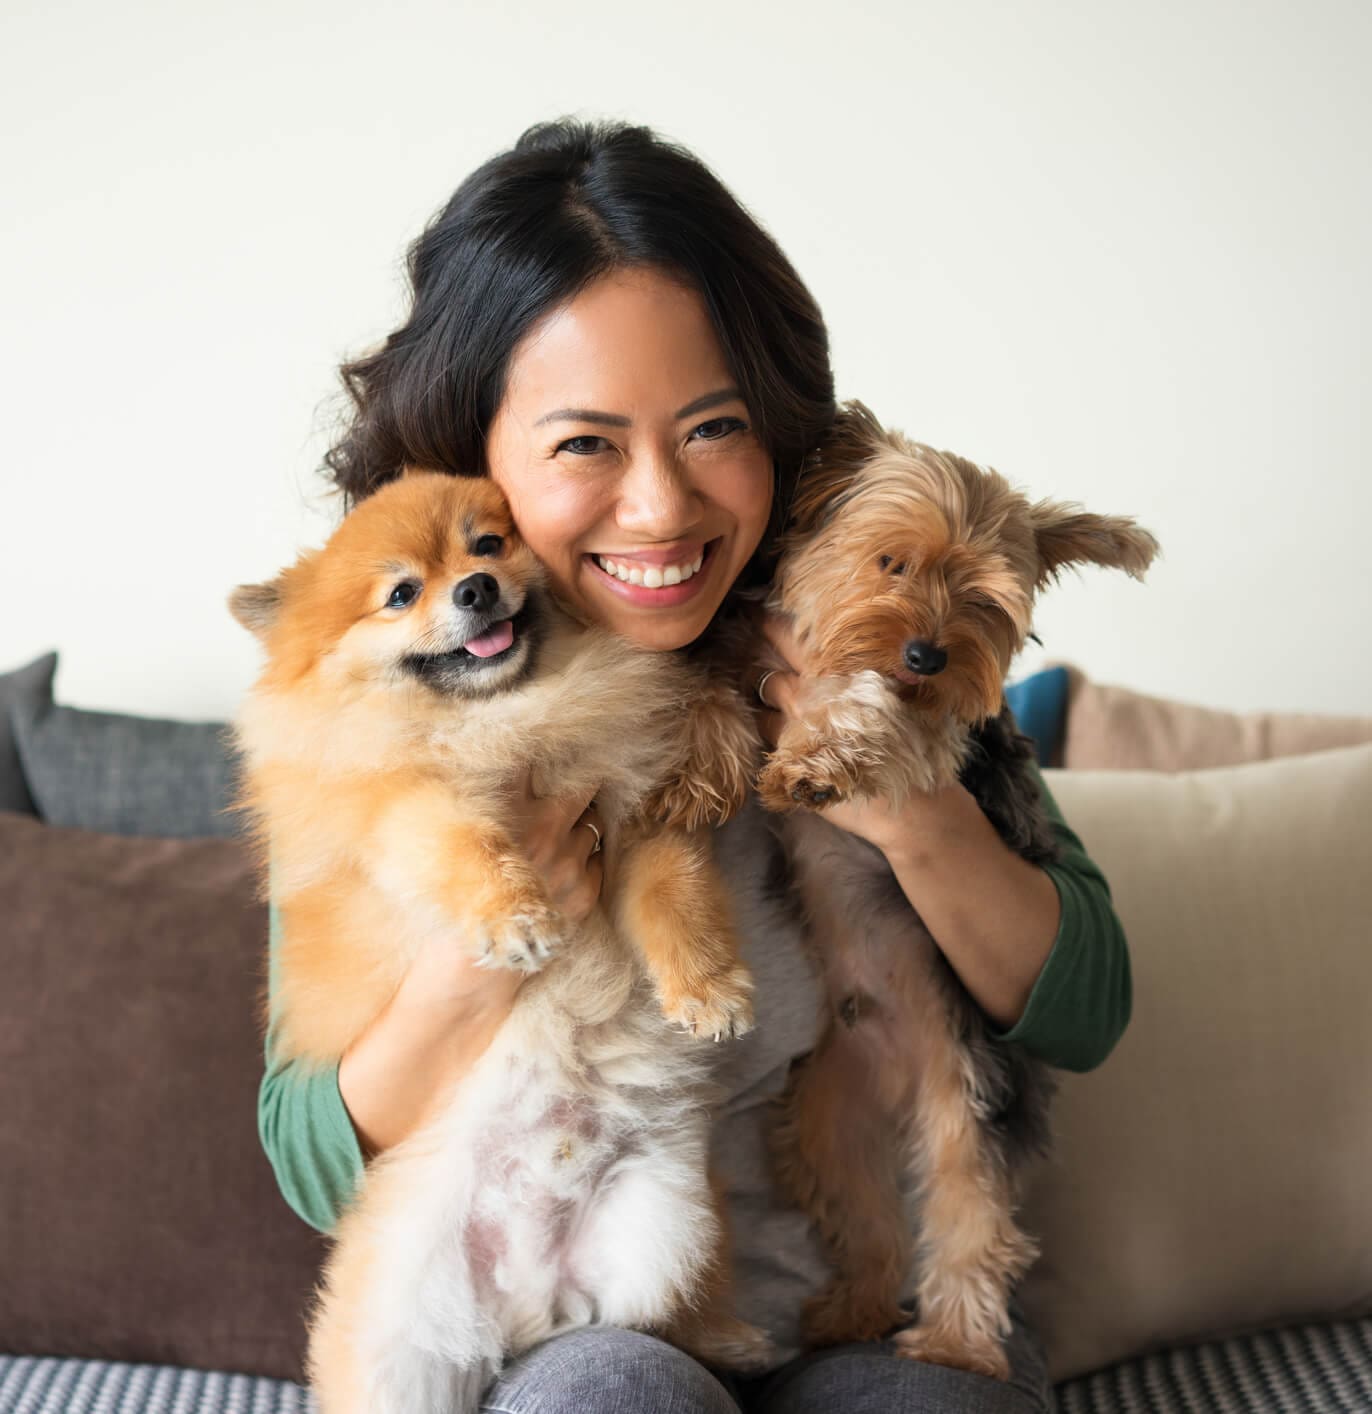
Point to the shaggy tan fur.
(893, 544)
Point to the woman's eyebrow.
(606, 419)
(612, 419)
(710, 400)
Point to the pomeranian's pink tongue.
(497, 640)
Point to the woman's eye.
(583, 446)
(716, 428)
(488, 545)
(404, 593)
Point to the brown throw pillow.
(1115, 729)
(1213, 1174)
(139, 1218)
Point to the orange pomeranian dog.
(417, 666)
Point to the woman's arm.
(319, 1125)
(994, 915)
(1040, 950)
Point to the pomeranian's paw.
(716, 1006)
(524, 941)
(691, 803)
(940, 1346)
(843, 1312)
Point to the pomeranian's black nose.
(478, 592)
(921, 656)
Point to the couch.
(1206, 1221)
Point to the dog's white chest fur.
(562, 1186)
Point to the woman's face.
(629, 460)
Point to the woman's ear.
(1067, 535)
(257, 606)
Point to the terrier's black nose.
(478, 592)
(921, 656)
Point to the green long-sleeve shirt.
(1076, 1012)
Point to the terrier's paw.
(787, 783)
(733, 1344)
(524, 941)
(940, 1346)
(842, 1313)
(717, 1007)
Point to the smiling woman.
(601, 329)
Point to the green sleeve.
(1081, 1002)
(304, 1126)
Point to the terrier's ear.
(256, 606)
(1068, 535)
(831, 469)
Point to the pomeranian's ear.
(256, 606)
(1067, 535)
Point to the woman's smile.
(658, 577)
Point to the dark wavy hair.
(570, 202)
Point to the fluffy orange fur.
(375, 788)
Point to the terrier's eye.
(488, 545)
(884, 562)
(406, 592)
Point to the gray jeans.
(601, 1370)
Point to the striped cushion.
(1315, 1369)
(29, 1385)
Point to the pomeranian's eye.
(488, 545)
(406, 592)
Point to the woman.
(600, 327)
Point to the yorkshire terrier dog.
(416, 666)
(910, 577)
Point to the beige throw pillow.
(1114, 729)
(1216, 1172)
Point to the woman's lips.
(670, 595)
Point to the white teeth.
(650, 576)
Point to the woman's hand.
(561, 839)
(448, 1009)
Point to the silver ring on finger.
(761, 687)
(590, 825)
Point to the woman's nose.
(657, 500)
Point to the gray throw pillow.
(123, 775)
(25, 690)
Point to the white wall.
(1118, 250)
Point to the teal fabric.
(1040, 707)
